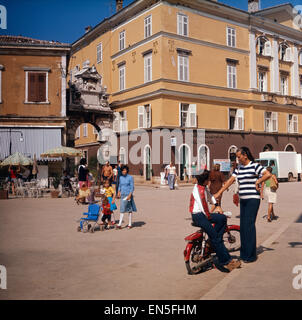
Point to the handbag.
(273, 184)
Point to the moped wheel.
(197, 263)
(85, 226)
(231, 240)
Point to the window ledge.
(28, 102)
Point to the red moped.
(199, 253)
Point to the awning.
(34, 141)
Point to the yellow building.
(199, 65)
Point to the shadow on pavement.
(261, 249)
(295, 244)
(299, 220)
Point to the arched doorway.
(203, 158)
(147, 163)
(185, 160)
(289, 147)
(268, 147)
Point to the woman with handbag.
(270, 187)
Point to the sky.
(65, 20)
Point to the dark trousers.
(248, 214)
(215, 233)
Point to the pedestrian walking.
(217, 180)
(171, 170)
(250, 176)
(269, 187)
(83, 173)
(125, 192)
(107, 172)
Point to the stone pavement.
(46, 258)
(272, 276)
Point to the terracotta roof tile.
(7, 39)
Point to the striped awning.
(34, 141)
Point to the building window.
(78, 132)
(1, 84)
(183, 67)
(122, 73)
(37, 87)
(148, 26)
(284, 85)
(120, 123)
(262, 81)
(148, 67)
(231, 37)
(285, 52)
(232, 76)
(85, 130)
(122, 40)
(236, 119)
(292, 123)
(182, 24)
(99, 53)
(187, 115)
(122, 156)
(264, 47)
(271, 121)
(301, 86)
(144, 116)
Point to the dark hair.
(269, 169)
(125, 167)
(83, 161)
(203, 177)
(247, 152)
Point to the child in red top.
(106, 212)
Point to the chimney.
(87, 29)
(253, 6)
(119, 5)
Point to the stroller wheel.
(91, 230)
(79, 229)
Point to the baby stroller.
(93, 215)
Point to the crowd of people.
(113, 183)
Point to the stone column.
(253, 62)
(295, 73)
(274, 67)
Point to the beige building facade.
(202, 65)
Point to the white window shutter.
(295, 123)
(116, 122)
(267, 48)
(180, 114)
(288, 54)
(141, 116)
(239, 120)
(274, 121)
(192, 115)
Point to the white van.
(287, 164)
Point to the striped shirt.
(247, 177)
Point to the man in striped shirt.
(249, 175)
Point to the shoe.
(129, 227)
(233, 265)
(249, 261)
(113, 223)
(269, 220)
(118, 227)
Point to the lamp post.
(10, 138)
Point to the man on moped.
(202, 217)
